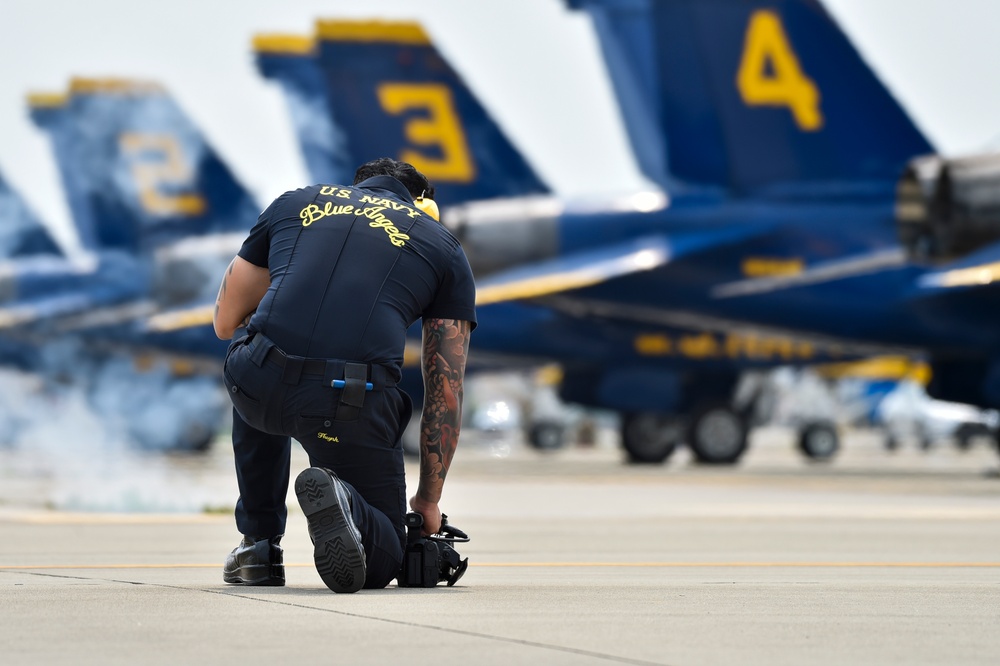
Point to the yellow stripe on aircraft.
(173, 321)
(553, 283)
(535, 287)
(42, 100)
(966, 277)
(396, 32)
(88, 86)
(879, 367)
(530, 287)
(412, 353)
(772, 266)
(16, 316)
(284, 44)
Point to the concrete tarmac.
(576, 558)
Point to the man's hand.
(430, 512)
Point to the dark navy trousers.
(272, 404)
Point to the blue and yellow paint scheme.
(137, 173)
(21, 232)
(777, 152)
(772, 239)
(405, 101)
(159, 216)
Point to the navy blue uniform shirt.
(352, 268)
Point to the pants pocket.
(315, 426)
(254, 395)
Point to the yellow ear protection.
(428, 206)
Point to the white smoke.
(73, 445)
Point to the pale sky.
(534, 64)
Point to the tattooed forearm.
(222, 289)
(445, 349)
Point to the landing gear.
(717, 434)
(968, 432)
(891, 443)
(650, 438)
(820, 441)
(195, 439)
(546, 436)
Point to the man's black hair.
(414, 181)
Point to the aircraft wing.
(542, 279)
(545, 278)
(842, 268)
(85, 309)
(572, 273)
(45, 288)
(976, 271)
(180, 318)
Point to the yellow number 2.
(157, 160)
(439, 128)
(770, 74)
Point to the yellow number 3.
(440, 128)
(782, 83)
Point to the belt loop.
(292, 371)
(382, 376)
(259, 347)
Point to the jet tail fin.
(137, 172)
(21, 233)
(290, 60)
(747, 94)
(391, 93)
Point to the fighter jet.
(773, 239)
(159, 216)
(386, 89)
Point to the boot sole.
(256, 574)
(337, 549)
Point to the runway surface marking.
(236, 592)
(44, 518)
(982, 509)
(543, 565)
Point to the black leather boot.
(256, 561)
(337, 548)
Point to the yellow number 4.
(440, 128)
(770, 74)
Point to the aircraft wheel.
(718, 435)
(196, 438)
(820, 441)
(968, 432)
(649, 437)
(963, 437)
(201, 442)
(546, 436)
